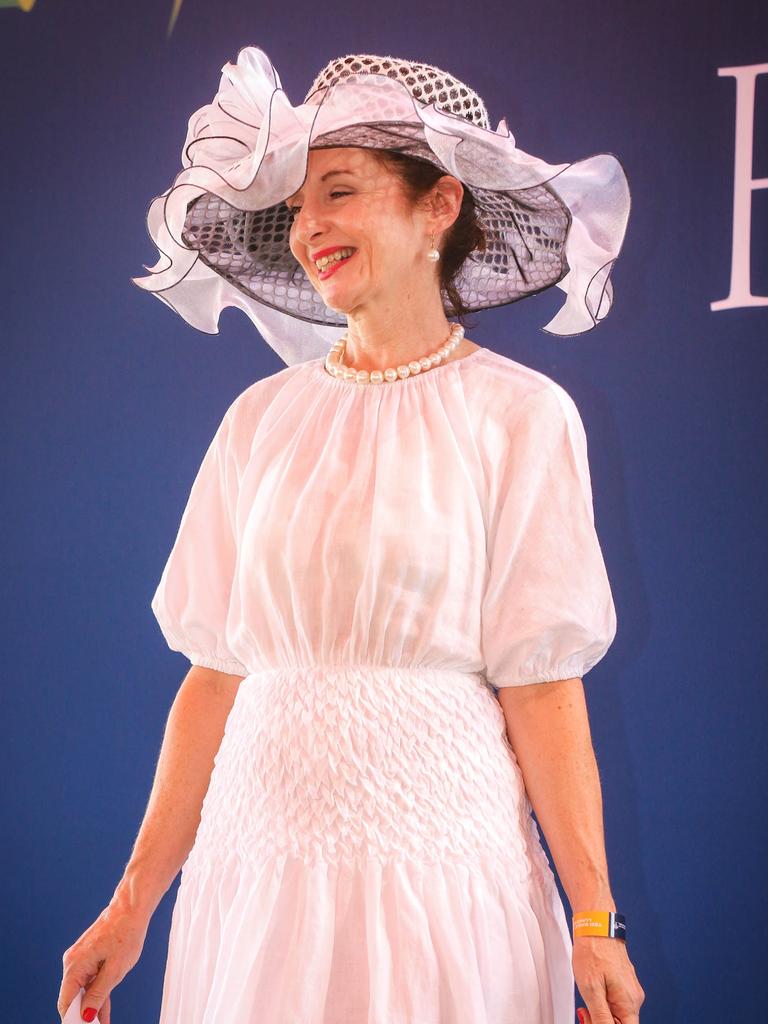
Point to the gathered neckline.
(319, 367)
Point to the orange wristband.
(600, 922)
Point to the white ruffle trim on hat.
(250, 145)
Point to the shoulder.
(239, 424)
(512, 393)
(247, 408)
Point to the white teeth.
(334, 257)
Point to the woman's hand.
(607, 981)
(101, 958)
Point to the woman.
(386, 579)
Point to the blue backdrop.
(109, 400)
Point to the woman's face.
(349, 201)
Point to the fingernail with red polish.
(90, 1013)
(580, 1015)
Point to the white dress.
(375, 561)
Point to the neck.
(386, 338)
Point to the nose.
(308, 223)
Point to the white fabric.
(370, 559)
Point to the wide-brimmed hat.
(223, 227)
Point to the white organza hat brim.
(247, 151)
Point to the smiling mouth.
(333, 266)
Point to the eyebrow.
(328, 174)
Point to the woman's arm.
(193, 735)
(101, 957)
(548, 729)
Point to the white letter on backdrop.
(743, 183)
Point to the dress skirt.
(366, 855)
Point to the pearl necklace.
(335, 366)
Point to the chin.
(344, 309)
(339, 304)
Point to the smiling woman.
(358, 231)
(376, 551)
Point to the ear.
(445, 201)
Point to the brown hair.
(464, 235)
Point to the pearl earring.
(433, 254)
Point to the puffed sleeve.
(548, 611)
(192, 600)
